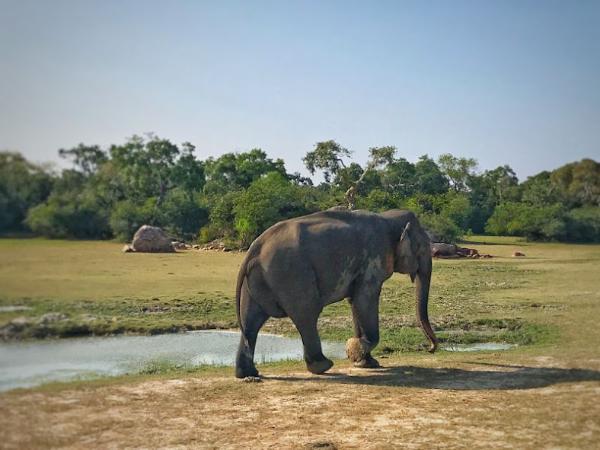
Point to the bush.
(378, 200)
(445, 216)
(267, 201)
(583, 224)
(182, 215)
(532, 222)
(70, 216)
(440, 227)
(127, 216)
(222, 217)
(208, 233)
(456, 207)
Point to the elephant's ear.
(406, 261)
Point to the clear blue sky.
(505, 82)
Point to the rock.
(440, 249)
(52, 317)
(127, 249)
(217, 245)
(196, 247)
(20, 322)
(13, 328)
(151, 239)
(518, 254)
(179, 245)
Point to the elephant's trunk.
(422, 282)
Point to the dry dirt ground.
(475, 404)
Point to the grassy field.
(544, 393)
(99, 290)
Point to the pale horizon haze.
(505, 82)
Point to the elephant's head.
(412, 256)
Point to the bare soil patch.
(479, 405)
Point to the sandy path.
(469, 406)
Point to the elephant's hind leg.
(298, 294)
(252, 318)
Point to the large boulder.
(151, 239)
(440, 249)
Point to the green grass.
(536, 300)
(104, 291)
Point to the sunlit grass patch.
(97, 290)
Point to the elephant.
(300, 265)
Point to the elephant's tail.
(238, 290)
(243, 273)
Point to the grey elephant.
(299, 266)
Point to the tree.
(87, 158)
(535, 222)
(456, 206)
(458, 170)
(182, 214)
(348, 176)
(70, 214)
(23, 185)
(501, 182)
(299, 180)
(267, 201)
(328, 157)
(221, 216)
(378, 156)
(583, 224)
(378, 200)
(146, 165)
(539, 190)
(128, 215)
(579, 182)
(399, 178)
(188, 172)
(239, 170)
(430, 179)
(488, 190)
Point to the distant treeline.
(147, 180)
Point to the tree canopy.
(109, 193)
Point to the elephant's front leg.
(365, 313)
(316, 362)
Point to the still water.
(33, 363)
(478, 347)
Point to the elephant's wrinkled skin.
(298, 266)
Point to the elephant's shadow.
(499, 377)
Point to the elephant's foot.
(320, 366)
(368, 362)
(245, 371)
